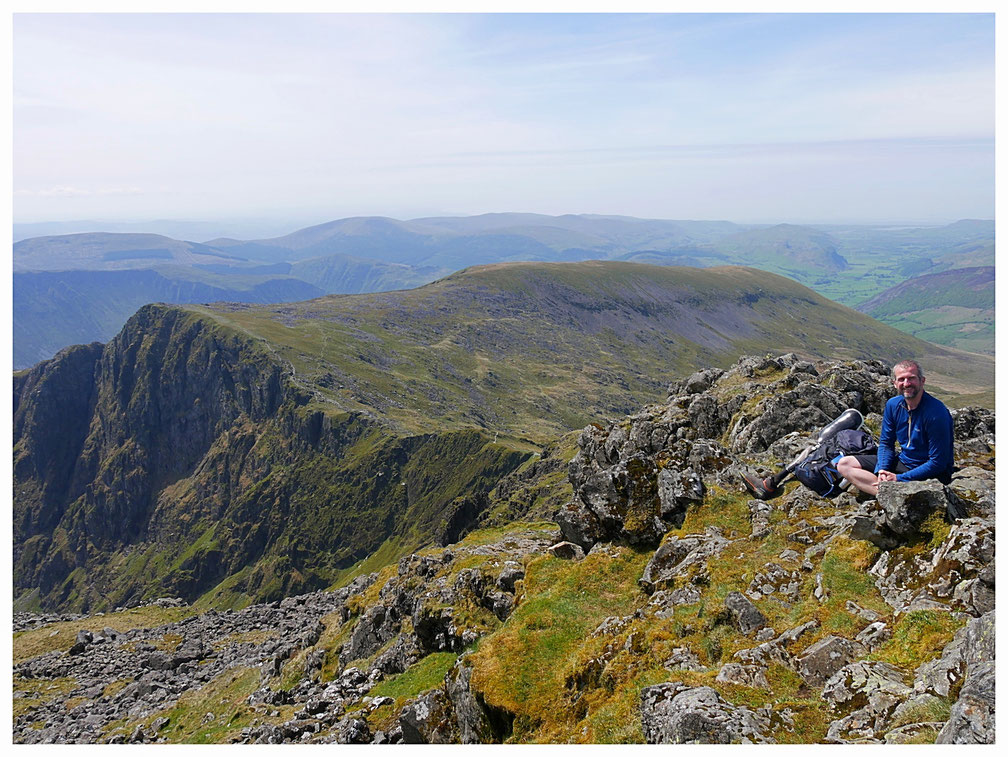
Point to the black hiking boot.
(761, 488)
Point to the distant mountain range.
(368, 254)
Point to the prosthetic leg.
(770, 487)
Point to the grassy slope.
(952, 307)
(534, 349)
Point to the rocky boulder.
(673, 713)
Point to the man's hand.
(884, 475)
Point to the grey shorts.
(868, 462)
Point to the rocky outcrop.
(634, 481)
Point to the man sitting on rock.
(923, 427)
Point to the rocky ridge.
(851, 620)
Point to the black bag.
(818, 471)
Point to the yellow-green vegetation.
(62, 635)
(496, 534)
(30, 693)
(918, 636)
(213, 714)
(424, 675)
(563, 684)
(726, 509)
(524, 667)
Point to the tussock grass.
(918, 636)
(59, 637)
(525, 665)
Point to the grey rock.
(873, 635)
(825, 657)
(672, 713)
(430, 719)
(682, 658)
(972, 717)
(906, 504)
(510, 574)
(478, 723)
(753, 676)
(677, 557)
(566, 550)
(865, 683)
(744, 615)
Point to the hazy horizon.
(291, 120)
(204, 230)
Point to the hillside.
(100, 251)
(660, 605)
(791, 250)
(246, 452)
(365, 254)
(954, 307)
(539, 348)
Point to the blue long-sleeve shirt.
(925, 438)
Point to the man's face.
(907, 382)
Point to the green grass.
(918, 636)
(523, 666)
(422, 676)
(215, 713)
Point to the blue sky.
(748, 118)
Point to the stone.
(825, 657)
(429, 719)
(682, 658)
(745, 616)
(753, 676)
(906, 504)
(972, 717)
(566, 550)
(477, 722)
(672, 713)
(873, 635)
(862, 682)
(681, 557)
(510, 574)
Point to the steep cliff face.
(181, 453)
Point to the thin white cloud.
(78, 192)
(239, 113)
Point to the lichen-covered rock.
(824, 658)
(776, 580)
(866, 683)
(753, 676)
(972, 718)
(975, 486)
(672, 713)
(567, 550)
(681, 558)
(938, 578)
(744, 615)
(430, 719)
(682, 658)
(478, 722)
(906, 504)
